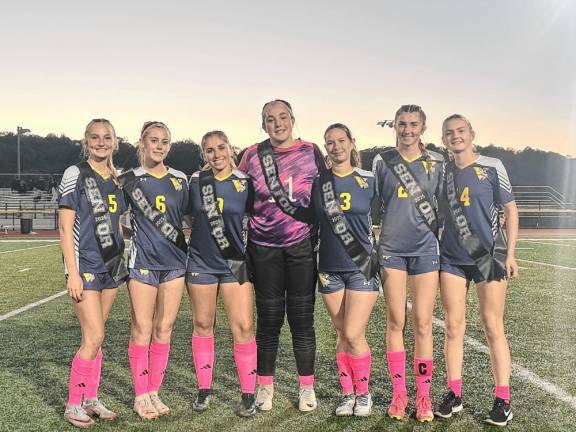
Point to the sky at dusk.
(509, 66)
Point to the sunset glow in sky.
(510, 66)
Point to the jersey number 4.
(465, 197)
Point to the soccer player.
(342, 199)
(90, 204)
(158, 197)
(220, 197)
(409, 180)
(476, 187)
(282, 170)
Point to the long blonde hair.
(109, 160)
(223, 137)
(145, 129)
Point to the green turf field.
(37, 346)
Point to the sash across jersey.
(491, 264)
(111, 251)
(235, 259)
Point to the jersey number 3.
(346, 204)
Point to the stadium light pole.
(19, 131)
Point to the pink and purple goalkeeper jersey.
(269, 225)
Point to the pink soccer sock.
(80, 375)
(159, 353)
(265, 379)
(456, 386)
(306, 380)
(361, 366)
(94, 382)
(138, 357)
(397, 370)
(423, 372)
(203, 353)
(503, 392)
(344, 373)
(245, 358)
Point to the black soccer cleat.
(202, 401)
(450, 404)
(500, 414)
(247, 405)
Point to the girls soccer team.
(264, 219)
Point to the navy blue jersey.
(168, 194)
(232, 193)
(482, 188)
(403, 231)
(71, 195)
(356, 192)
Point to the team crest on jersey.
(481, 173)
(88, 277)
(144, 272)
(361, 182)
(239, 185)
(324, 279)
(177, 183)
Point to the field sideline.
(38, 344)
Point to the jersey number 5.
(112, 204)
(161, 203)
(465, 197)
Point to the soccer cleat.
(397, 408)
(450, 404)
(77, 416)
(94, 407)
(160, 406)
(424, 408)
(247, 405)
(264, 395)
(363, 406)
(144, 408)
(500, 414)
(202, 401)
(307, 399)
(346, 406)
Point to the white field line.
(547, 239)
(523, 248)
(25, 249)
(31, 305)
(551, 244)
(25, 269)
(30, 241)
(546, 264)
(520, 371)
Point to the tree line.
(52, 154)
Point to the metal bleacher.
(38, 205)
(544, 207)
